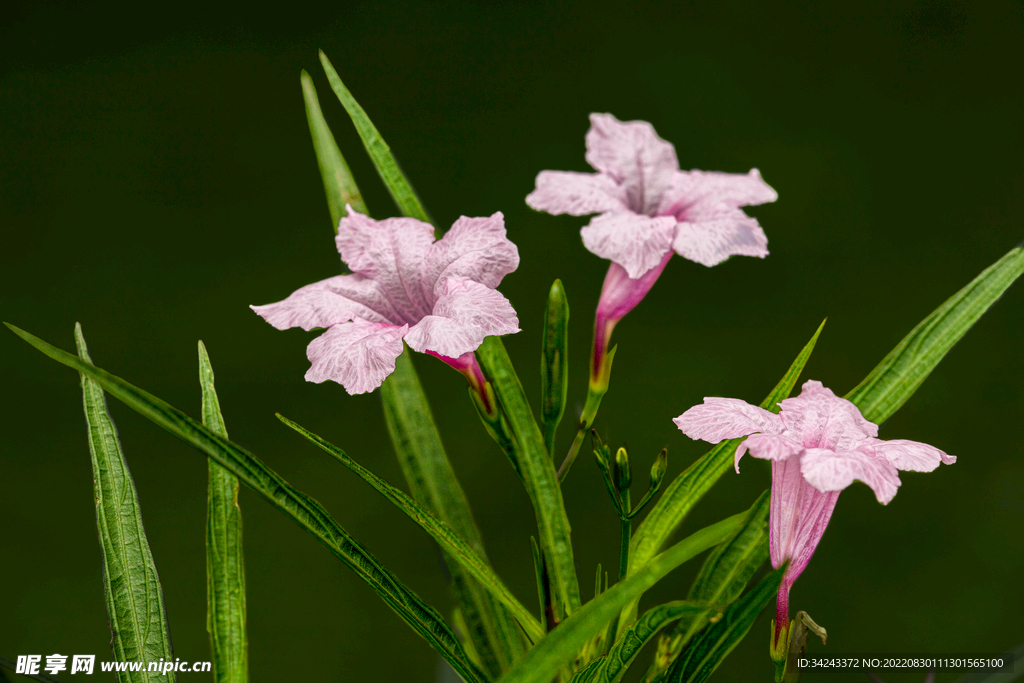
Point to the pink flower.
(818, 444)
(647, 209)
(437, 296)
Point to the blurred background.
(157, 177)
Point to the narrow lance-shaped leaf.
(397, 184)
(612, 667)
(433, 483)
(690, 486)
(410, 423)
(308, 513)
(554, 363)
(451, 542)
(339, 186)
(225, 562)
(559, 647)
(135, 600)
(717, 640)
(538, 476)
(721, 580)
(905, 368)
(8, 664)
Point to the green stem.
(626, 524)
(563, 470)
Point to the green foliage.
(308, 513)
(538, 476)
(901, 372)
(453, 544)
(225, 562)
(612, 667)
(135, 600)
(717, 640)
(384, 161)
(339, 185)
(721, 580)
(560, 647)
(554, 363)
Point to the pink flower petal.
(576, 194)
(910, 456)
(328, 302)
(768, 447)
(474, 249)
(359, 355)
(828, 470)
(620, 293)
(637, 243)
(709, 242)
(635, 157)
(391, 252)
(718, 419)
(823, 420)
(699, 195)
(465, 313)
(798, 517)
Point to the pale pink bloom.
(818, 444)
(649, 209)
(437, 296)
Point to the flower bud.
(659, 468)
(623, 476)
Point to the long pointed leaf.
(308, 513)
(721, 581)
(612, 667)
(717, 640)
(225, 562)
(135, 600)
(433, 483)
(559, 647)
(905, 368)
(450, 541)
(397, 184)
(538, 475)
(339, 186)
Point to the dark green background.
(156, 178)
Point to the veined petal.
(576, 194)
(464, 314)
(910, 456)
(358, 355)
(697, 195)
(709, 242)
(797, 518)
(774, 447)
(636, 242)
(391, 252)
(328, 302)
(634, 156)
(718, 419)
(823, 420)
(828, 470)
(474, 249)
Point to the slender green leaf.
(452, 543)
(339, 185)
(433, 484)
(225, 562)
(538, 476)
(554, 363)
(135, 600)
(717, 640)
(901, 372)
(612, 667)
(308, 513)
(721, 580)
(690, 486)
(397, 184)
(559, 647)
